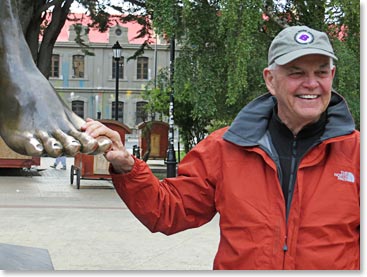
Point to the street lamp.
(117, 49)
(171, 155)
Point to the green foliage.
(309, 13)
(239, 26)
(223, 50)
(165, 15)
(157, 94)
(347, 80)
(80, 32)
(218, 124)
(199, 88)
(345, 35)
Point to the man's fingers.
(87, 125)
(97, 129)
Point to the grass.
(160, 175)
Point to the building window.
(55, 66)
(141, 114)
(142, 68)
(77, 106)
(121, 68)
(78, 66)
(118, 32)
(120, 111)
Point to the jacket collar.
(249, 128)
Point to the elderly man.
(284, 177)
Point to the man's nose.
(311, 82)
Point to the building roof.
(95, 35)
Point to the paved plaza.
(91, 228)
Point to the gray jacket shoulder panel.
(340, 120)
(250, 125)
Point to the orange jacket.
(241, 183)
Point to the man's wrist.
(123, 169)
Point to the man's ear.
(268, 76)
(333, 70)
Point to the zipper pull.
(285, 246)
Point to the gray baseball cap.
(297, 41)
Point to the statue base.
(15, 257)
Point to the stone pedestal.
(15, 257)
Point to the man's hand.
(117, 155)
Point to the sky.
(75, 7)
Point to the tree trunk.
(147, 135)
(31, 15)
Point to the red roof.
(98, 37)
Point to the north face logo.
(345, 176)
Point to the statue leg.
(33, 119)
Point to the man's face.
(302, 88)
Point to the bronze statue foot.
(34, 120)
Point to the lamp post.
(116, 48)
(171, 155)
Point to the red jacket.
(230, 174)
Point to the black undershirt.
(284, 141)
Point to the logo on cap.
(303, 37)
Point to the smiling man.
(300, 75)
(302, 88)
(284, 177)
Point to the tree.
(346, 41)
(224, 49)
(340, 19)
(47, 17)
